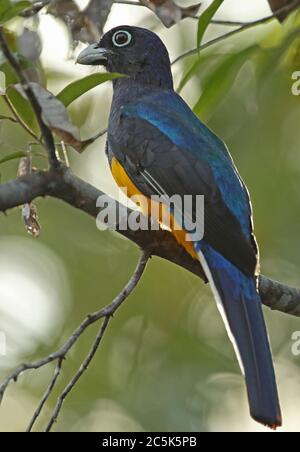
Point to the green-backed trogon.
(157, 146)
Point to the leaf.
(98, 12)
(82, 86)
(272, 58)
(11, 39)
(29, 211)
(22, 107)
(13, 10)
(4, 6)
(87, 25)
(169, 12)
(29, 45)
(202, 63)
(206, 18)
(55, 116)
(276, 5)
(218, 84)
(31, 219)
(13, 156)
(84, 25)
(8, 75)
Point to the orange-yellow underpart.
(124, 181)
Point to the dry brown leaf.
(29, 211)
(278, 4)
(24, 167)
(81, 27)
(29, 45)
(98, 12)
(87, 25)
(169, 12)
(56, 117)
(31, 219)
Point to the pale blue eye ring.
(121, 38)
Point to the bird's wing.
(167, 151)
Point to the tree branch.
(279, 297)
(46, 396)
(229, 23)
(46, 132)
(106, 314)
(288, 8)
(64, 185)
(77, 376)
(39, 4)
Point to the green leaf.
(4, 6)
(272, 58)
(14, 156)
(13, 10)
(205, 19)
(11, 38)
(80, 87)
(221, 80)
(23, 108)
(200, 63)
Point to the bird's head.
(133, 51)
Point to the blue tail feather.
(241, 309)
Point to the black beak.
(93, 55)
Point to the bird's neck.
(156, 74)
(131, 89)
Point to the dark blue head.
(134, 51)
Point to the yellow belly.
(124, 181)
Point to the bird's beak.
(93, 55)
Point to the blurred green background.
(166, 363)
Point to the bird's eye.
(121, 38)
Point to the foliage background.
(166, 363)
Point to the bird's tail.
(240, 306)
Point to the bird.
(157, 146)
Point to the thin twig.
(35, 8)
(231, 33)
(46, 132)
(17, 118)
(105, 313)
(46, 396)
(208, 44)
(92, 140)
(215, 22)
(226, 23)
(74, 380)
(98, 135)
(108, 313)
(230, 23)
(65, 154)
